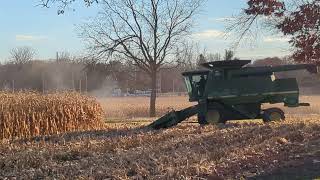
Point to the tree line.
(84, 74)
(80, 74)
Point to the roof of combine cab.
(226, 64)
(233, 64)
(198, 72)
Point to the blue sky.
(25, 24)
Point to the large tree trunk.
(153, 97)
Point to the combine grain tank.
(228, 90)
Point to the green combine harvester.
(230, 90)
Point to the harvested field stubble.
(28, 114)
(240, 150)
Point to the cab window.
(197, 78)
(188, 84)
(199, 84)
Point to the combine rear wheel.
(273, 114)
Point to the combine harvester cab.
(230, 90)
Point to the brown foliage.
(265, 7)
(301, 22)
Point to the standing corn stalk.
(24, 115)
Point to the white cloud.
(223, 19)
(23, 37)
(209, 34)
(272, 39)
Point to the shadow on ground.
(307, 169)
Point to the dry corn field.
(239, 150)
(28, 114)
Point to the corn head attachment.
(174, 117)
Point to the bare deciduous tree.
(147, 32)
(228, 55)
(201, 59)
(63, 4)
(22, 55)
(188, 55)
(65, 56)
(214, 57)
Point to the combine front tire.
(273, 114)
(202, 120)
(213, 116)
